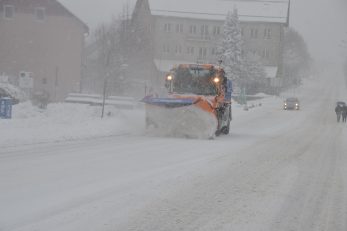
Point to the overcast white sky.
(323, 23)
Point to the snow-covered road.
(277, 170)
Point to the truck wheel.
(226, 129)
(218, 132)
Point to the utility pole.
(56, 82)
(104, 95)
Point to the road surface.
(277, 170)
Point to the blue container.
(6, 108)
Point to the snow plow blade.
(179, 118)
(168, 102)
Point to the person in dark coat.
(338, 111)
(344, 113)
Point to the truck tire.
(226, 129)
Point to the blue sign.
(6, 108)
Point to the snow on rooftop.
(249, 11)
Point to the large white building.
(189, 30)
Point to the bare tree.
(297, 60)
(122, 54)
(105, 58)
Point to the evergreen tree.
(230, 49)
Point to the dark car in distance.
(291, 103)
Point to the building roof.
(86, 28)
(53, 7)
(276, 11)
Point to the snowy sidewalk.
(65, 122)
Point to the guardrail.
(91, 99)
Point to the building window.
(192, 29)
(242, 31)
(214, 51)
(253, 52)
(44, 81)
(267, 33)
(190, 50)
(202, 52)
(40, 13)
(8, 11)
(179, 28)
(166, 48)
(216, 30)
(178, 49)
(204, 30)
(254, 33)
(266, 53)
(167, 27)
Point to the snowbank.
(64, 121)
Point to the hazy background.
(322, 23)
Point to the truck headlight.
(216, 80)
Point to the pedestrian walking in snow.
(338, 111)
(344, 113)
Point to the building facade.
(41, 46)
(189, 31)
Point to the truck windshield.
(194, 81)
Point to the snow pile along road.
(64, 121)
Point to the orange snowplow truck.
(197, 104)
